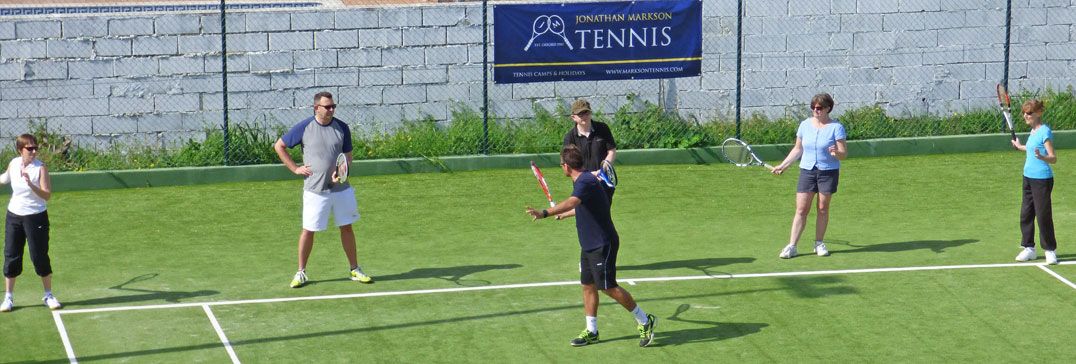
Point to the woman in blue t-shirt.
(820, 147)
(1038, 184)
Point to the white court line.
(220, 332)
(64, 338)
(231, 352)
(548, 284)
(1058, 276)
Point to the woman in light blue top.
(1038, 185)
(820, 147)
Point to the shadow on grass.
(1065, 257)
(144, 294)
(937, 246)
(693, 335)
(452, 274)
(703, 265)
(709, 331)
(816, 286)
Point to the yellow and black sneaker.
(646, 332)
(585, 338)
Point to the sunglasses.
(327, 107)
(32, 149)
(817, 108)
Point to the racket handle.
(771, 168)
(552, 204)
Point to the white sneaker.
(299, 280)
(7, 305)
(1051, 257)
(788, 252)
(1027, 254)
(52, 302)
(820, 249)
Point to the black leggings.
(20, 230)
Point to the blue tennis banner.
(597, 41)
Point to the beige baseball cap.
(580, 106)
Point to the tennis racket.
(541, 182)
(607, 174)
(740, 154)
(342, 167)
(1003, 101)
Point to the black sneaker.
(585, 338)
(646, 332)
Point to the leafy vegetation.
(635, 125)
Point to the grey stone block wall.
(107, 80)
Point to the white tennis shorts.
(317, 206)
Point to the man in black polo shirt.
(593, 138)
(599, 242)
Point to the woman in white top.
(27, 220)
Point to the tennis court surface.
(921, 270)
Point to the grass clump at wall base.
(646, 127)
(872, 122)
(634, 125)
(464, 136)
(249, 143)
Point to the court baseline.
(224, 341)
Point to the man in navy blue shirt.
(599, 242)
(322, 137)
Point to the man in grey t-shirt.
(322, 138)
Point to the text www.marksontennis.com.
(629, 71)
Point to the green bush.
(635, 125)
(250, 143)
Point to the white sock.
(817, 242)
(640, 315)
(9, 295)
(592, 324)
(48, 293)
(1030, 248)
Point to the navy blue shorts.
(818, 181)
(598, 267)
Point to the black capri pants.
(1037, 206)
(20, 230)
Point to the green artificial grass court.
(229, 242)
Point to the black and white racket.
(342, 167)
(740, 154)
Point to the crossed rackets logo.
(548, 23)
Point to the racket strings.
(737, 153)
(341, 167)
